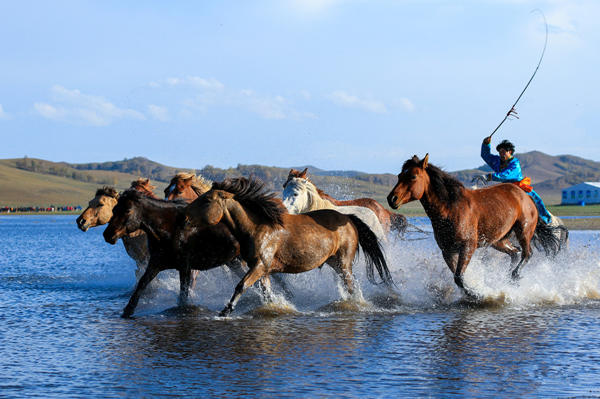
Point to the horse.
(272, 240)
(465, 219)
(389, 220)
(186, 186)
(198, 248)
(99, 212)
(300, 196)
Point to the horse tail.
(550, 238)
(373, 253)
(398, 222)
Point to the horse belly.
(303, 255)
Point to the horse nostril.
(394, 199)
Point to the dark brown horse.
(195, 249)
(389, 220)
(271, 240)
(464, 219)
(186, 186)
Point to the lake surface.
(62, 291)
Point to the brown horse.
(389, 220)
(464, 219)
(195, 249)
(271, 240)
(186, 186)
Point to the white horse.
(300, 196)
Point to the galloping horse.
(389, 220)
(186, 186)
(301, 196)
(464, 219)
(272, 240)
(99, 212)
(198, 249)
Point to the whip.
(512, 111)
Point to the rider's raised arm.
(493, 161)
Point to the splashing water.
(423, 281)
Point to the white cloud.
(75, 107)
(344, 99)
(3, 114)
(192, 81)
(407, 104)
(213, 93)
(159, 113)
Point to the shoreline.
(578, 222)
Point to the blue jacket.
(510, 173)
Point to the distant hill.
(31, 181)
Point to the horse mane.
(252, 194)
(138, 196)
(200, 184)
(107, 191)
(447, 187)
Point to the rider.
(507, 169)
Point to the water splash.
(423, 281)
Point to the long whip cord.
(512, 112)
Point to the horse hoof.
(126, 315)
(225, 312)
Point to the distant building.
(582, 193)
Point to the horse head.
(297, 197)
(294, 173)
(143, 185)
(99, 210)
(186, 186)
(209, 208)
(125, 218)
(412, 182)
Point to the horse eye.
(413, 177)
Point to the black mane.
(252, 194)
(139, 196)
(446, 187)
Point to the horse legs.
(255, 273)
(458, 262)
(186, 282)
(525, 244)
(507, 247)
(343, 268)
(149, 274)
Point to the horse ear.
(303, 174)
(425, 161)
(416, 159)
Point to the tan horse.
(186, 186)
(99, 212)
(272, 240)
(464, 220)
(389, 220)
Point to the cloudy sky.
(339, 84)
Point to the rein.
(512, 111)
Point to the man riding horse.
(507, 169)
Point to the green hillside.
(37, 182)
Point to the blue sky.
(353, 84)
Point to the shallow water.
(61, 293)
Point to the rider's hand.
(487, 140)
